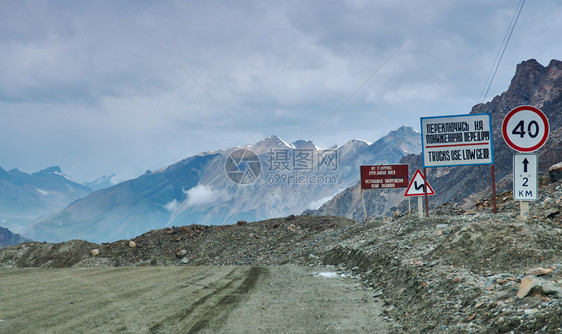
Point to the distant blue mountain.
(127, 209)
(7, 238)
(25, 197)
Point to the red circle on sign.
(515, 146)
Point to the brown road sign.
(384, 176)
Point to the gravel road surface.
(183, 299)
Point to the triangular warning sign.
(417, 186)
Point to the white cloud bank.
(87, 85)
(201, 195)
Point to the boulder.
(539, 285)
(555, 172)
(539, 271)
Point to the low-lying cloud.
(201, 195)
(172, 206)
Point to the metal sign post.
(409, 207)
(364, 208)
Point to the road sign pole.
(409, 206)
(364, 209)
(494, 189)
(524, 210)
(425, 195)
(420, 207)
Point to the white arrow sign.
(525, 177)
(417, 186)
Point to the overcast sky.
(102, 87)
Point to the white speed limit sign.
(525, 129)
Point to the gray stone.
(555, 172)
(533, 283)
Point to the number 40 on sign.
(525, 129)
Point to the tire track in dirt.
(228, 302)
(211, 306)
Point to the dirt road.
(185, 299)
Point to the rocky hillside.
(456, 272)
(290, 178)
(534, 85)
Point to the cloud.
(172, 206)
(87, 85)
(201, 195)
(422, 92)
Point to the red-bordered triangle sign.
(417, 186)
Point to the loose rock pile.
(471, 273)
(456, 272)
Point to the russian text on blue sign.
(458, 140)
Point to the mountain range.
(25, 197)
(533, 85)
(270, 178)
